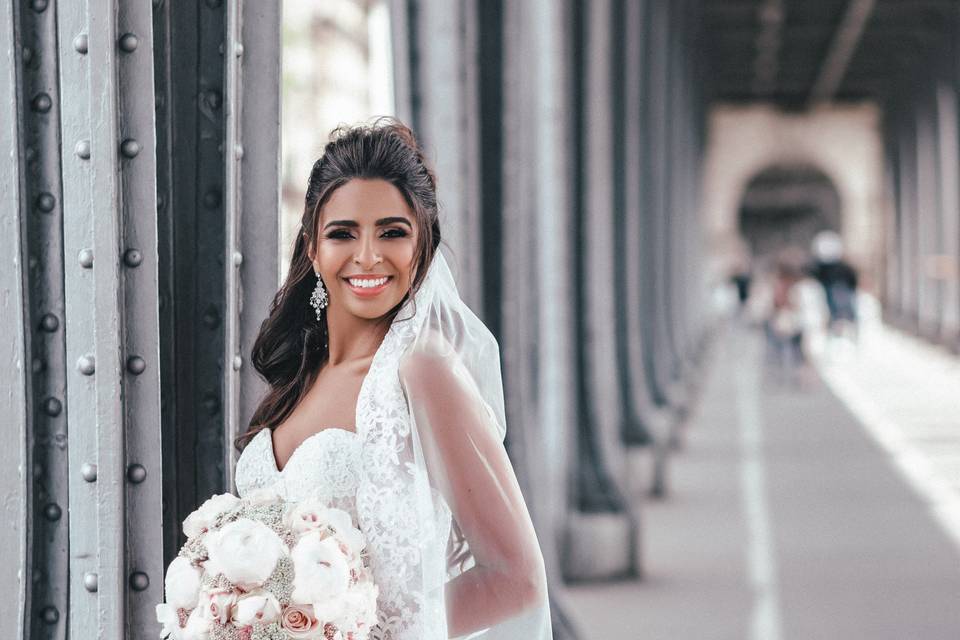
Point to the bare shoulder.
(431, 359)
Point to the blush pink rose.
(298, 622)
(217, 605)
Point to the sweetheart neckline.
(273, 455)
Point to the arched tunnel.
(717, 241)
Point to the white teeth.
(366, 283)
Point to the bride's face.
(366, 244)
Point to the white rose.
(245, 551)
(197, 627)
(216, 605)
(203, 518)
(305, 515)
(320, 570)
(310, 515)
(260, 606)
(168, 617)
(182, 584)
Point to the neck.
(351, 338)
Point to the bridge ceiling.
(794, 51)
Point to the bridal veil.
(449, 534)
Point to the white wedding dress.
(326, 465)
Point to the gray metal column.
(929, 233)
(948, 261)
(256, 225)
(437, 94)
(112, 304)
(603, 532)
(17, 401)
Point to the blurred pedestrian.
(786, 302)
(839, 281)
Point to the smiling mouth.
(367, 286)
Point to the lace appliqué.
(406, 522)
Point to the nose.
(367, 256)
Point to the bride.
(385, 399)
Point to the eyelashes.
(343, 234)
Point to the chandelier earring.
(319, 299)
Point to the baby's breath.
(223, 632)
(280, 582)
(272, 631)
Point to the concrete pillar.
(601, 541)
(947, 263)
(437, 86)
(929, 233)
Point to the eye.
(339, 234)
(394, 233)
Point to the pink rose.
(298, 621)
(217, 604)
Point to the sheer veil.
(448, 531)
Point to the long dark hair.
(291, 346)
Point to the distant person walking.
(839, 281)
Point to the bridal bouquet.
(261, 568)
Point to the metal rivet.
(80, 43)
(85, 258)
(136, 473)
(211, 318)
(86, 365)
(49, 323)
(37, 365)
(238, 50)
(39, 5)
(50, 615)
(27, 55)
(52, 407)
(52, 512)
(136, 365)
(212, 199)
(88, 471)
(237, 363)
(213, 99)
(237, 258)
(129, 42)
(212, 403)
(220, 49)
(160, 202)
(82, 149)
(30, 153)
(46, 202)
(38, 471)
(42, 103)
(90, 581)
(132, 257)
(139, 581)
(238, 151)
(130, 148)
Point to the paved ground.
(792, 518)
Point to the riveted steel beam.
(16, 401)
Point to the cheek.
(403, 259)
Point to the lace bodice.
(324, 465)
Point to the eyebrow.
(380, 222)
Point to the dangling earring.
(319, 298)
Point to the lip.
(371, 291)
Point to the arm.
(468, 464)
